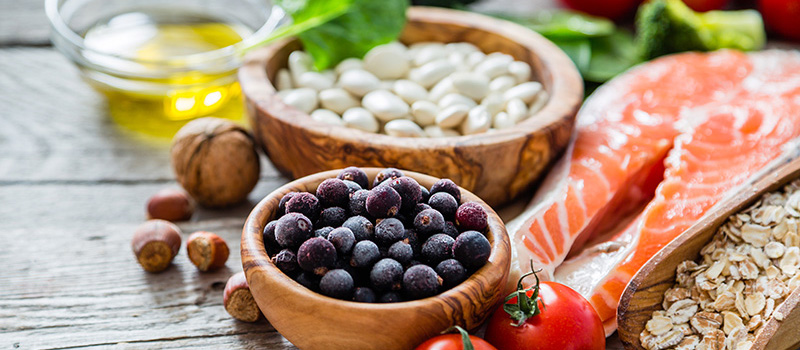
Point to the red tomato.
(613, 9)
(453, 342)
(705, 5)
(566, 322)
(782, 16)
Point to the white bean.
(451, 116)
(472, 85)
(403, 128)
(494, 103)
(304, 99)
(409, 91)
(459, 60)
(283, 80)
(478, 120)
(453, 99)
(431, 72)
(385, 105)
(525, 92)
(474, 58)
(462, 48)
(348, 64)
(516, 109)
(361, 119)
(521, 71)
(387, 61)
(494, 65)
(429, 53)
(337, 100)
(299, 63)
(326, 116)
(503, 121)
(436, 131)
(315, 80)
(442, 88)
(424, 112)
(541, 100)
(359, 82)
(502, 83)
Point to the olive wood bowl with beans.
(314, 321)
(497, 165)
(646, 291)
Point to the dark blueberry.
(445, 204)
(352, 187)
(388, 231)
(390, 297)
(383, 202)
(450, 229)
(429, 222)
(437, 248)
(333, 193)
(411, 237)
(282, 203)
(471, 216)
(447, 185)
(343, 240)
(364, 295)
(362, 228)
(409, 191)
(386, 274)
(337, 284)
(270, 244)
(472, 249)
(293, 229)
(425, 194)
(316, 255)
(402, 252)
(420, 281)
(358, 203)
(415, 262)
(286, 261)
(418, 208)
(365, 253)
(333, 217)
(323, 232)
(304, 203)
(356, 175)
(385, 174)
(405, 219)
(452, 272)
(308, 280)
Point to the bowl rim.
(564, 96)
(258, 260)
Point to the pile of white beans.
(424, 90)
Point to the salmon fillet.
(653, 150)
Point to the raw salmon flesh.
(653, 150)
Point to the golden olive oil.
(147, 75)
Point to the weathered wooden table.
(73, 187)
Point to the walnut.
(215, 161)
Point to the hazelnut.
(215, 161)
(238, 300)
(155, 243)
(171, 205)
(207, 251)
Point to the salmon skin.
(653, 150)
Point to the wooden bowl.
(496, 166)
(314, 321)
(645, 293)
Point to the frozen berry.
(409, 191)
(429, 222)
(270, 244)
(293, 229)
(445, 203)
(364, 295)
(390, 297)
(343, 240)
(472, 249)
(425, 194)
(358, 203)
(450, 229)
(420, 281)
(411, 237)
(282, 203)
(333, 193)
(352, 187)
(356, 175)
(452, 272)
(333, 217)
(386, 274)
(418, 208)
(405, 219)
(414, 263)
(323, 232)
(471, 216)
(362, 228)
(286, 261)
(337, 284)
(437, 248)
(308, 280)
(447, 185)
(402, 252)
(386, 174)
(316, 255)
(304, 203)
(365, 253)
(383, 202)
(388, 231)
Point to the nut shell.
(238, 300)
(207, 251)
(170, 204)
(155, 243)
(215, 161)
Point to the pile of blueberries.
(397, 241)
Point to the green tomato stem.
(526, 307)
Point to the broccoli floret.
(669, 26)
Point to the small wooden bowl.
(314, 321)
(496, 166)
(645, 293)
